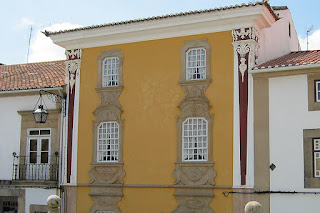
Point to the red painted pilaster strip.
(70, 131)
(73, 67)
(243, 104)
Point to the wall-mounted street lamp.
(41, 112)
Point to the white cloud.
(314, 41)
(43, 49)
(23, 23)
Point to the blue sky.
(18, 15)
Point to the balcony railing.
(23, 170)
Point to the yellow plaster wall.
(149, 100)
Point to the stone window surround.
(15, 192)
(52, 123)
(106, 54)
(109, 110)
(309, 180)
(197, 173)
(313, 105)
(183, 52)
(38, 208)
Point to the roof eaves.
(264, 2)
(279, 7)
(30, 88)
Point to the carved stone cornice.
(73, 54)
(106, 173)
(245, 34)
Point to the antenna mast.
(29, 43)
(308, 31)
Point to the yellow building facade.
(152, 110)
(150, 98)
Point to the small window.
(289, 30)
(317, 91)
(316, 158)
(110, 74)
(108, 142)
(195, 139)
(196, 64)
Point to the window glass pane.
(45, 132)
(194, 139)
(33, 145)
(34, 132)
(108, 143)
(33, 157)
(196, 64)
(44, 144)
(44, 157)
(110, 72)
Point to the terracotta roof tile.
(32, 76)
(263, 2)
(293, 59)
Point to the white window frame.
(317, 90)
(38, 138)
(114, 137)
(316, 155)
(113, 72)
(198, 66)
(198, 143)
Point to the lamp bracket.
(58, 99)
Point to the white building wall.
(288, 99)
(10, 126)
(37, 197)
(275, 41)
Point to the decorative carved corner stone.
(194, 174)
(109, 96)
(105, 199)
(193, 203)
(106, 174)
(195, 103)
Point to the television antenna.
(308, 31)
(29, 43)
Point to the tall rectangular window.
(108, 142)
(110, 74)
(38, 145)
(316, 157)
(317, 91)
(196, 64)
(195, 139)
